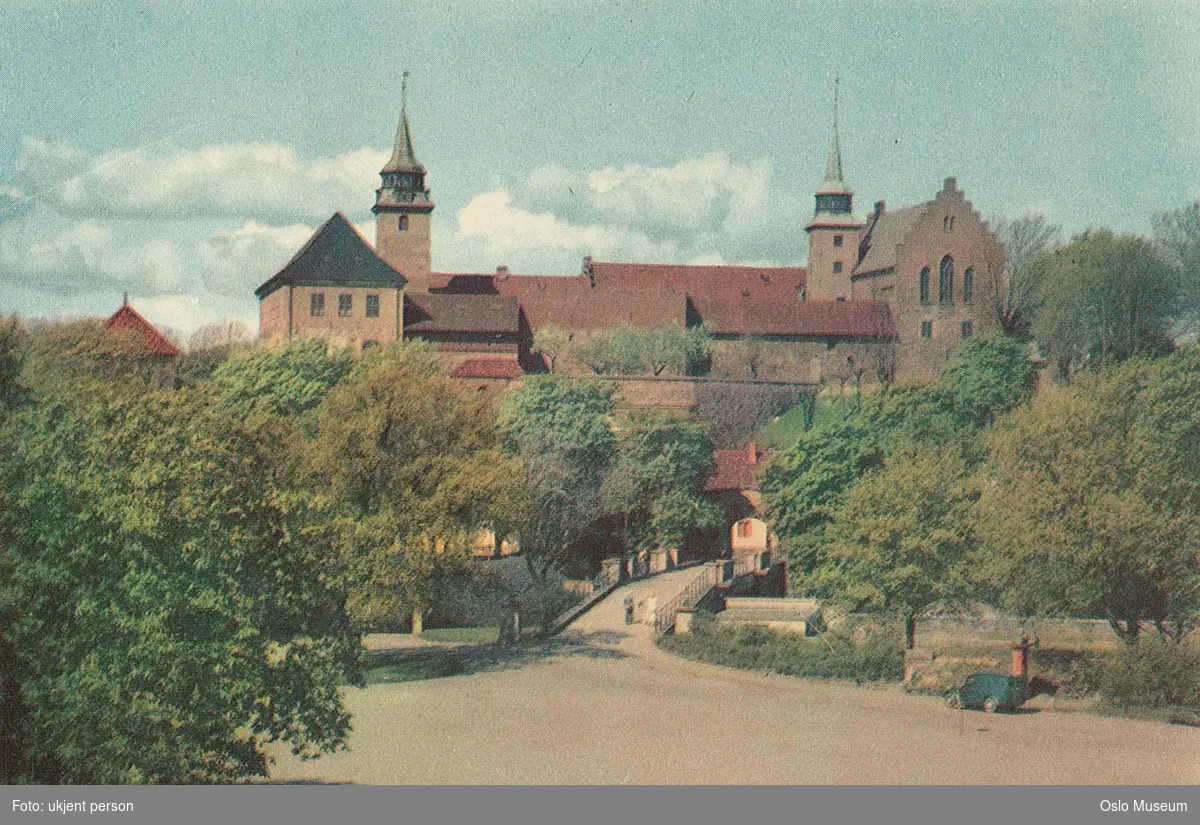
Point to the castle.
(883, 297)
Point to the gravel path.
(603, 705)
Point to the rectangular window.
(837, 240)
(316, 304)
(966, 329)
(837, 267)
(345, 305)
(927, 329)
(372, 306)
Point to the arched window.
(946, 280)
(968, 285)
(403, 223)
(925, 285)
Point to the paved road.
(602, 705)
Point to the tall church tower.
(834, 230)
(402, 208)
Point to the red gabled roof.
(506, 368)
(733, 471)
(704, 282)
(155, 343)
(822, 319)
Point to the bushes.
(758, 648)
(1153, 672)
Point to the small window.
(946, 281)
(403, 223)
(837, 267)
(372, 306)
(927, 329)
(345, 305)
(966, 329)
(968, 286)
(925, 285)
(837, 240)
(316, 304)
(744, 529)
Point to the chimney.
(502, 272)
(125, 301)
(752, 453)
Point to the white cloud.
(266, 181)
(237, 261)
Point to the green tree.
(552, 342)
(1089, 506)
(173, 619)
(903, 538)
(1105, 297)
(1177, 236)
(561, 428)
(986, 377)
(409, 471)
(285, 381)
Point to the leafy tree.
(12, 397)
(285, 381)
(410, 470)
(1105, 297)
(551, 341)
(173, 618)
(1017, 294)
(561, 429)
(621, 352)
(1088, 504)
(986, 377)
(1177, 236)
(209, 347)
(629, 351)
(903, 538)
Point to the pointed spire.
(404, 158)
(834, 183)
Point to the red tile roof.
(154, 342)
(505, 368)
(704, 282)
(820, 319)
(733, 471)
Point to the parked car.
(990, 691)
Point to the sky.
(183, 152)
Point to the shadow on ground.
(438, 661)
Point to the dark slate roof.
(336, 255)
(506, 368)
(817, 319)
(884, 233)
(433, 313)
(151, 340)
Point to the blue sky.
(183, 152)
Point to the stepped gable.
(336, 255)
(435, 313)
(826, 319)
(153, 342)
(885, 231)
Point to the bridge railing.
(690, 596)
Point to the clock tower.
(402, 208)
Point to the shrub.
(1153, 672)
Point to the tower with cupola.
(833, 232)
(402, 208)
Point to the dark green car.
(990, 691)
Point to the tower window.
(968, 286)
(402, 224)
(372, 306)
(925, 285)
(966, 329)
(316, 304)
(345, 305)
(837, 240)
(946, 280)
(948, 223)
(927, 329)
(837, 267)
